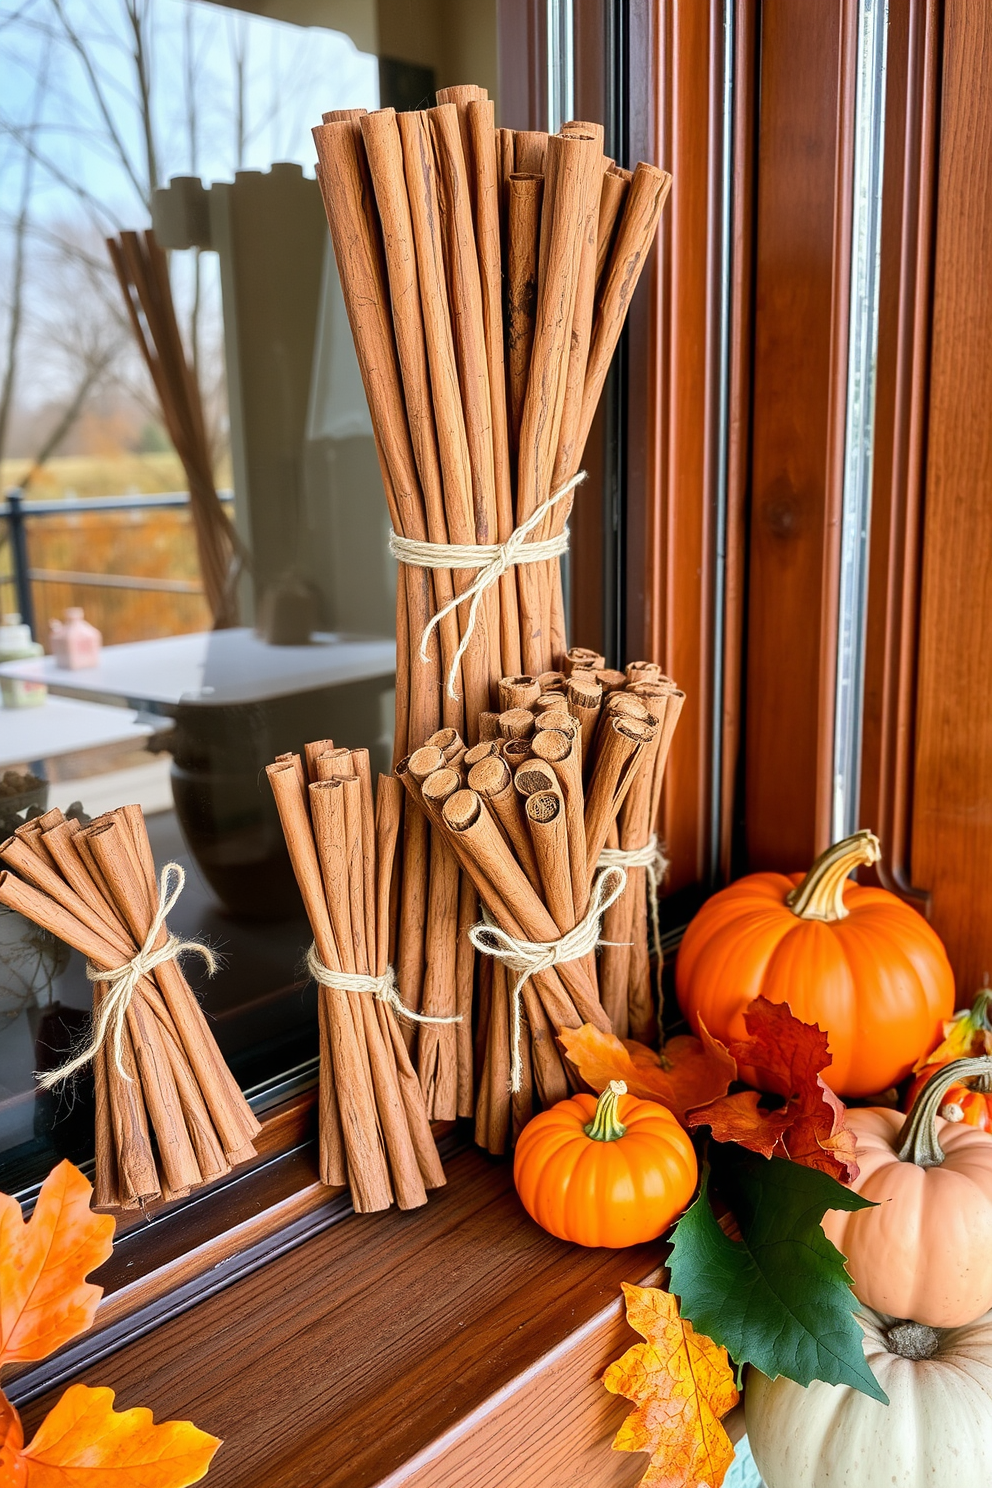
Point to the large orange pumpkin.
(611, 1172)
(856, 961)
(926, 1251)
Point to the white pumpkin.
(936, 1430)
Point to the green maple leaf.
(780, 1297)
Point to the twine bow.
(384, 988)
(526, 957)
(492, 559)
(122, 983)
(651, 858)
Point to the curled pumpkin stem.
(606, 1125)
(820, 896)
(918, 1141)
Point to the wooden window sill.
(457, 1344)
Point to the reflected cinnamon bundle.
(487, 275)
(374, 1129)
(169, 1113)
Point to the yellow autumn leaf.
(682, 1385)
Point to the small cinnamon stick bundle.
(374, 1129)
(169, 1114)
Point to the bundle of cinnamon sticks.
(487, 274)
(169, 1113)
(374, 1130)
(574, 765)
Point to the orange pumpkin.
(968, 1033)
(610, 1172)
(856, 961)
(926, 1251)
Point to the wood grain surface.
(455, 1345)
(952, 816)
(800, 318)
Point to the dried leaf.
(44, 1298)
(786, 1056)
(682, 1384)
(83, 1439)
(688, 1071)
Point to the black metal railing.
(17, 511)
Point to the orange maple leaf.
(45, 1301)
(84, 1435)
(682, 1384)
(688, 1072)
(44, 1297)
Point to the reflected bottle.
(75, 643)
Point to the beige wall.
(455, 37)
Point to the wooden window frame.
(647, 565)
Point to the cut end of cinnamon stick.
(544, 806)
(423, 762)
(462, 810)
(489, 776)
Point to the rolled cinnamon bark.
(525, 197)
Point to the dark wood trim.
(895, 552)
(522, 64)
(676, 63)
(745, 126)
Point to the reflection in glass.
(109, 129)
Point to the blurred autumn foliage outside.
(155, 544)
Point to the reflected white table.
(64, 726)
(214, 668)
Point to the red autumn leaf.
(785, 1056)
(44, 1297)
(688, 1072)
(84, 1440)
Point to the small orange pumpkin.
(926, 1251)
(610, 1172)
(968, 1033)
(855, 960)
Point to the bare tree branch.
(15, 323)
(138, 12)
(99, 98)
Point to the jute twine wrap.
(122, 983)
(492, 559)
(526, 957)
(384, 988)
(651, 858)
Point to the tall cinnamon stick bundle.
(169, 1114)
(374, 1129)
(487, 276)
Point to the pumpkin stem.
(981, 1009)
(820, 896)
(913, 1340)
(605, 1126)
(917, 1140)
